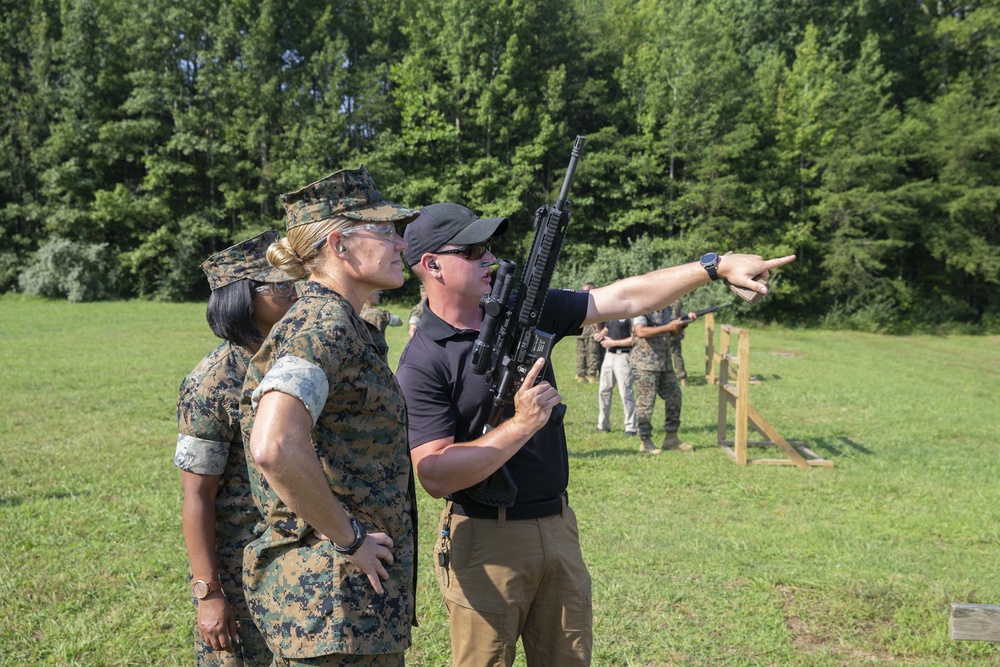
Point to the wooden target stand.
(738, 396)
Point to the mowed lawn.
(695, 560)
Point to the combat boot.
(646, 446)
(672, 441)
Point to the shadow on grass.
(15, 501)
(597, 453)
(839, 446)
(829, 446)
(699, 381)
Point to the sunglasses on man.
(470, 252)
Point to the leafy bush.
(8, 271)
(167, 265)
(580, 263)
(603, 266)
(76, 271)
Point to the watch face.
(200, 589)
(711, 258)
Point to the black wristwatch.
(710, 262)
(359, 539)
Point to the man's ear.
(429, 262)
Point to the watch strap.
(710, 262)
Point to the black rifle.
(509, 342)
(706, 311)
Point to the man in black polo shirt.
(516, 571)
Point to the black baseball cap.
(438, 225)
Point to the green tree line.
(864, 137)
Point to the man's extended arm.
(658, 289)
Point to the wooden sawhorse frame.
(738, 395)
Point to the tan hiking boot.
(672, 441)
(581, 378)
(593, 379)
(646, 446)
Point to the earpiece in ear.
(432, 265)
(340, 247)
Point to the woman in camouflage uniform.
(219, 518)
(331, 580)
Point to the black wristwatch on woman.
(359, 539)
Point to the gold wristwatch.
(201, 589)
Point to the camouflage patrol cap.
(350, 193)
(244, 261)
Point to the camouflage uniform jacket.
(652, 354)
(380, 317)
(308, 599)
(209, 443)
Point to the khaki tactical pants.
(504, 579)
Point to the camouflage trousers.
(588, 354)
(647, 385)
(252, 651)
(342, 660)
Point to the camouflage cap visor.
(244, 261)
(350, 193)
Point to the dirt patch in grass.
(818, 631)
(788, 354)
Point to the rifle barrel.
(570, 170)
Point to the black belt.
(515, 513)
(618, 351)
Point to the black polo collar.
(437, 329)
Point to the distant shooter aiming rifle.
(705, 311)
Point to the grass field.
(696, 561)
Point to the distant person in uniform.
(380, 317)
(331, 579)
(589, 352)
(653, 375)
(218, 515)
(417, 311)
(676, 355)
(616, 339)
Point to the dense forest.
(863, 136)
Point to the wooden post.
(723, 380)
(709, 347)
(977, 622)
(743, 395)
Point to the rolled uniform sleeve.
(208, 414)
(299, 378)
